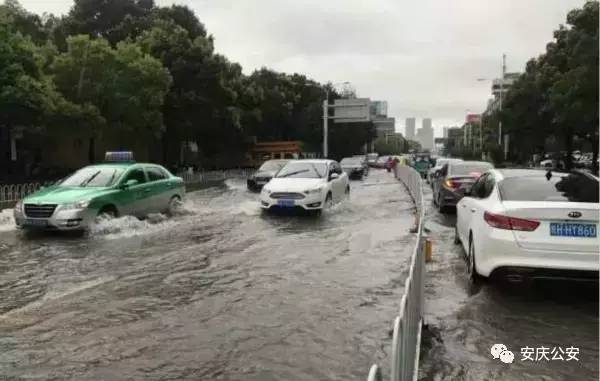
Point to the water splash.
(7, 222)
(129, 226)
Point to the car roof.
(314, 161)
(123, 164)
(522, 172)
(457, 163)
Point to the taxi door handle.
(473, 210)
(147, 190)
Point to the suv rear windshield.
(573, 188)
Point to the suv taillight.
(452, 184)
(510, 223)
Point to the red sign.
(473, 118)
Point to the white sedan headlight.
(19, 206)
(76, 205)
(265, 190)
(314, 191)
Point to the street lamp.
(326, 117)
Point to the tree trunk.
(92, 151)
(569, 149)
(594, 156)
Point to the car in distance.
(439, 163)
(115, 188)
(354, 167)
(454, 179)
(363, 160)
(310, 185)
(527, 223)
(372, 158)
(264, 174)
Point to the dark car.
(354, 167)
(453, 179)
(264, 174)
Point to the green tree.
(124, 85)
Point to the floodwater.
(219, 292)
(464, 321)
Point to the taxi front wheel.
(107, 212)
(174, 205)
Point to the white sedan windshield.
(305, 170)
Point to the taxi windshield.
(93, 177)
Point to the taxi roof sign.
(118, 156)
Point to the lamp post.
(326, 118)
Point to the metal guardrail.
(14, 192)
(406, 341)
(210, 176)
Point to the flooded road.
(220, 292)
(465, 322)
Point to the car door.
(438, 181)
(464, 209)
(342, 180)
(133, 198)
(159, 195)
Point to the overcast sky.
(422, 56)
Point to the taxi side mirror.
(333, 176)
(129, 183)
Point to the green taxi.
(117, 187)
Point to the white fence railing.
(406, 341)
(14, 192)
(210, 176)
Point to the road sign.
(351, 110)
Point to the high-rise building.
(409, 130)
(446, 132)
(425, 134)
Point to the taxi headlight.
(265, 190)
(76, 205)
(313, 191)
(19, 206)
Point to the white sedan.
(527, 224)
(312, 185)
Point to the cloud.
(423, 57)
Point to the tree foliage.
(557, 95)
(141, 72)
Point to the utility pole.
(326, 119)
(325, 126)
(501, 96)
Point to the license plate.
(285, 203)
(564, 229)
(34, 222)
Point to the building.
(409, 129)
(384, 126)
(499, 89)
(425, 135)
(446, 132)
(261, 151)
(378, 109)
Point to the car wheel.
(441, 208)
(174, 205)
(107, 212)
(456, 237)
(474, 277)
(328, 201)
